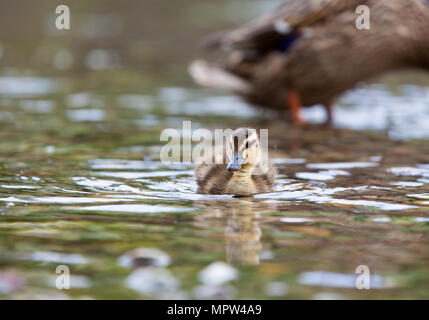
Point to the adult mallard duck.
(244, 173)
(310, 51)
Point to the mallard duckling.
(243, 175)
(309, 52)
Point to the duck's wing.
(211, 178)
(264, 179)
(290, 19)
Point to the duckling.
(310, 52)
(244, 175)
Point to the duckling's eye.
(249, 144)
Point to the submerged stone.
(218, 273)
(144, 257)
(152, 281)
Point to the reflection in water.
(240, 216)
(331, 279)
(242, 234)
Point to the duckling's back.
(212, 178)
(264, 182)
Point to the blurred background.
(81, 184)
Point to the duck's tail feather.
(211, 76)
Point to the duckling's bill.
(236, 162)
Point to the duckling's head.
(243, 151)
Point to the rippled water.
(82, 185)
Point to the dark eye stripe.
(235, 144)
(249, 144)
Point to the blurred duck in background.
(311, 51)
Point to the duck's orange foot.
(329, 115)
(293, 103)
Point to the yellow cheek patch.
(247, 144)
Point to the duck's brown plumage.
(331, 55)
(214, 178)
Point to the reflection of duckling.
(243, 235)
(241, 218)
(244, 175)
